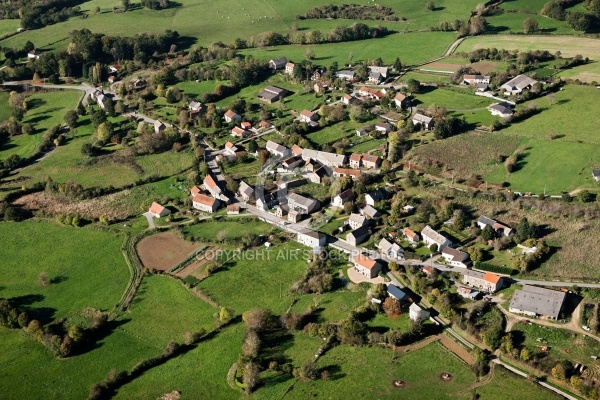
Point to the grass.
(505, 381)
(44, 111)
(513, 23)
(86, 264)
(208, 230)
(334, 133)
(585, 73)
(247, 283)
(459, 99)
(366, 145)
(4, 106)
(9, 26)
(240, 170)
(425, 78)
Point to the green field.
(9, 26)
(44, 111)
(4, 107)
(452, 99)
(513, 23)
(425, 78)
(86, 264)
(208, 230)
(334, 133)
(506, 382)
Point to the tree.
(71, 118)
(525, 231)
(581, 21)
(125, 4)
(119, 107)
(251, 376)
(224, 315)
(525, 354)
(585, 196)
(530, 25)
(391, 306)
(252, 146)
(488, 233)
(413, 85)
(476, 253)
(397, 64)
(477, 25)
(105, 131)
(308, 371)
(309, 54)
(559, 373)
(251, 345)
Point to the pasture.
(505, 382)
(85, 267)
(452, 99)
(510, 22)
(227, 229)
(4, 107)
(44, 110)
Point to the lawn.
(458, 99)
(506, 382)
(259, 277)
(231, 230)
(240, 170)
(9, 26)
(44, 111)
(366, 145)
(86, 265)
(334, 133)
(195, 90)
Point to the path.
(150, 219)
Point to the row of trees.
(351, 11)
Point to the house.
(34, 54)
(139, 83)
(484, 281)
(537, 302)
(158, 211)
(230, 116)
(232, 150)
(277, 63)
(369, 212)
(376, 196)
(195, 107)
(467, 293)
(205, 203)
(289, 68)
(596, 175)
(370, 161)
(501, 110)
(327, 159)
(417, 313)
(115, 68)
(358, 236)
(356, 221)
(429, 270)
(317, 74)
(158, 126)
(402, 101)
(304, 205)
(112, 79)
(500, 229)
(377, 74)
(481, 87)
(266, 200)
(276, 149)
(527, 250)
(432, 237)
(211, 186)
(311, 238)
(391, 250)
(517, 84)
(312, 165)
(412, 237)
(320, 87)
(366, 266)
(102, 99)
(195, 190)
(296, 150)
(239, 132)
(271, 94)
(383, 127)
(343, 198)
(294, 216)
(345, 75)
(476, 79)
(246, 191)
(291, 163)
(355, 160)
(281, 210)
(397, 293)
(360, 132)
(349, 99)
(423, 121)
(373, 94)
(407, 209)
(317, 175)
(308, 116)
(339, 172)
(265, 125)
(233, 209)
(456, 258)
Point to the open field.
(334, 133)
(567, 45)
(505, 382)
(425, 78)
(585, 73)
(4, 107)
(164, 250)
(263, 281)
(86, 266)
(367, 145)
(9, 26)
(230, 230)
(513, 23)
(44, 111)
(451, 99)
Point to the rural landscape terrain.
(290, 200)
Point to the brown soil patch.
(88, 209)
(164, 250)
(440, 66)
(484, 67)
(457, 349)
(192, 269)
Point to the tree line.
(351, 11)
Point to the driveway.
(150, 219)
(358, 278)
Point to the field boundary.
(135, 268)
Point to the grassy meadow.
(231, 230)
(4, 107)
(452, 99)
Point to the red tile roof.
(156, 208)
(195, 190)
(204, 199)
(210, 182)
(365, 261)
(492, 278)
(355, 157)
(230, 114)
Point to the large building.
(484, 281)
(301, 204)
(432, 237)
(537, 302)
(311, 238)
(271, 94)
(456, 258)
(517, 84)
(366, 266)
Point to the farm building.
(538, 302)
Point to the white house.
(276, 149)
(412, 237)
(356, 221)
(370, 161)
(401, 100)
(355, 160)
(456, 258)
(423, 121)
(349, 100)
(475, 79)
(500, 229)
(376, 196)
(205, 203)
(377, 74)
(231, 116)
(278, 63)
(304, 205)
(366, 266)
(211, 185)
(392, 250)
(343, 198)
(484, 281)
(34, 54)
(500, 110)
(417, 313)
(432, 237)
(383, 127)
(246, 191)
(158, 211)
(327, 159)
(345, 75)
(289, 68)
(308, 116)
(358, 236)
(311, 238)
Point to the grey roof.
(345, 73)
(486, 220)
(519, 82)
(596, 173)
(455, 255)
(375, 75)
(538, 300)
(386, 247)
(275, 147)
(501, 109)
(246, 189)
(422, 119)
(195, 104)
(359, 219)
(396, 292)
(383, 71)
(301, 200)
(279, 61)
(378, 195)
(370, 212)
(360, 232)
(346, 195)
(324, 157)
(311, 233)
(433, 235)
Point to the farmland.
(451, 99)
(229, 230)
(164, 250)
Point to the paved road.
(150, 219)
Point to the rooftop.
(538, 300)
